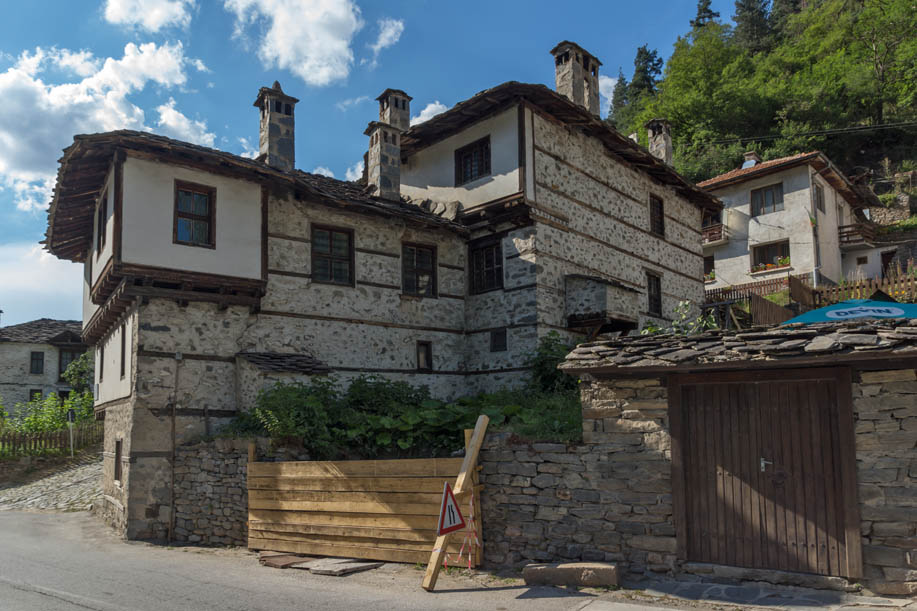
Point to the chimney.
(276, 137)
(395, 108)
(576, 75)
(751, 160)
(383, 167)
(659, 136)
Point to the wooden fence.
(901, 288)
(21, 444)
(371, 509)
(761, 288)
(764, 312)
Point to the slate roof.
(278, 362)
(40, 331)
(844, 340)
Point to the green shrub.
(49, 413)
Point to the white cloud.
(354, 172)
(323, 171)
(430, 110)
(390, 31)
(36, 284)
(248, 150)
(200, 66)
(606, 92)
(38, 119)
(151, 15)
(349, 102)
(174, 124)
(311, 38)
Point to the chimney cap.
(752, 156)
(374, 125)
(390, 91)
(275, 92)
(654, 122)
(566, 45)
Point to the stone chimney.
(395, 109)
(276, 137)
(576, 75)
(659, 136)
(383, 162)
(751, 159)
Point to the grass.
(781, 298)
(906, 225)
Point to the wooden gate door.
(764, 470)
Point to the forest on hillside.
(784, 77)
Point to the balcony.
(856, 236)
(714, 235)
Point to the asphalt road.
(70, 562)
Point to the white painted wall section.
(112, 384)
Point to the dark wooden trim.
(357, 321)
(353, 264)
(159, 354)
(150, 292)
(281, 272)
(105, 271)
(381, 253)
(434, 372)
(212, 220)
(433, 271)
(118, 207)
(448, 296)
(676, 433)
(204, 278)
(101, 407)
(457, 268)
(283, 236)
(503, 199)
(380, 285)
(472, 145)
(521, 287)
(520, 127)
(490, 241)
(264, 232)
(148, 454)
(847, 443)
(161, 412)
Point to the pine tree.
(752, 31)
(704, 14)
(647, 67)
(619, 96)
(781, 10)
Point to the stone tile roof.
(278, 362)
(892, 336)
(40, 331)
(758, 168)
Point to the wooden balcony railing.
(856, 234)
(713, 233)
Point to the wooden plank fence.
(764, 312)
(14, 444)
(901, 288)
(761, 288)
(371, 509)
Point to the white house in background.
(33, 357)
(795, 215)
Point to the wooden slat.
(779, 475)
(348, 541)
(334, 496)
(347, 507)
(360, 520)
(847, 468)
(349, 484)
(799, 497)
(369, 532)
(356, 551)
(678, 466)
(415, 467)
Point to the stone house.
(208, 275)
(33, 357)
(799, 215)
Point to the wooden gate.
(764, 470)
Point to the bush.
(49, 413)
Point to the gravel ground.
(62, 487)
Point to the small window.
(194, 215)
(101, 222)
(657, 216)
(123, 354)
(708, 267)
(118, 450)
(418, 270)
(424, 356)
(35, 394)
(472, 161)
(486, 268)
(774, 255)
(63, 394)
(65, 358)
(332, 256)
(287, 109)
(767, 199)
(653, 294)
(37, 362)
(862, 260)
(498, 340)
(819, 197)
(101, 362)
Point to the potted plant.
(783, 261)
(711, 276)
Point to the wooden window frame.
(863, 260)
(351, 258)
(653, 302)
(119, 450)
(123, 351)
(61, 368)
(428, 348)
(101, 363)
(657, 216)
(759, 247)
(211, 217)
(818, 193)
(101, 223)
(486, 161)
(406, 270)
(473, 249)
(499, 340)
(36, 356)
(777, 186)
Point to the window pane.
(341, 244)
(768, 200)
(321, 241)
(184, 230)
(321, 269)
(184, 201)
(341, 271)
(201, 204)
(424, 258)
(424, 284)
(410, 283)
(201, 232)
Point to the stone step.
(588, 574)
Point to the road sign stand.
(71, 416)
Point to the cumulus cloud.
(150, 15)
(310, 38)
(174, 124)
(354, 172)
(248, 149)
(349, 102)
(97, 102)
(390, 31)
(200, 66)
(429, 111)
(36, 284)
(323, 171)
(606, 92)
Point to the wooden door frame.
(842, 377)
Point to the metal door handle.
(764, 464)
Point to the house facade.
(33, 358)
(798, 215)
(208, 275)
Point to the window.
(486, 268)
(424, 356)
(862, 260)
(819, 197)
(657, 216)
(708, 268)
(101, 362)
(123, 355)
(118, 450)
(65, 358)
(888, 257)
(418, 270)
(332, 255)
(472, 161)
(771, 254)
(100, 223)
(63, 394)
(37, 362)
(767, 199)
(194, 215)
(498, 340)
(653, 294)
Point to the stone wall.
(16, 379)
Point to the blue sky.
(190, 69)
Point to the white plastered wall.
(113, 385)
(100, 258)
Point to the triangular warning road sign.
(450, 517)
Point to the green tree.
(619, 98)
(80, 373)
(781, 11)
(752, 31)
(647, 68)
(704, 15)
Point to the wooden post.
(473, 447)
(251, 452)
